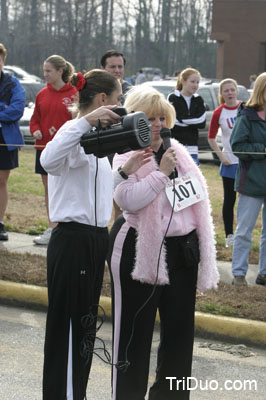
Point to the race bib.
(184, 191)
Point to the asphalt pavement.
(220, 371)
(206, 324)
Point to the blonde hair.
(151, 102)
(184, 75)
(3, 51)
(257, 97)
(222, 83)
(59, 62)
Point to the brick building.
(239, 26)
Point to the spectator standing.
(248, 141)
(156, 76)
(224, 118)
(190, 110)
(114, 62)
(12, 103)
(50, 113)
(146, 278)
(252, 79)
(141, 77)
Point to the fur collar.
(150, 235)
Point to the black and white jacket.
(188, 121)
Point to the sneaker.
(44, 238)
(3, 232)
(229, 240)
(239, 280)
(261, 280)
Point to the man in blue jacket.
(12, 103)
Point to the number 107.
(184, 190)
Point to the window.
(205, 93)
(31, 90)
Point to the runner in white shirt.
(224, 118)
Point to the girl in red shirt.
(50, 113)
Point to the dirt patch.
(23, 268)
(26, 213)
(242, 302)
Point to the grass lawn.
(26, 213)
(26, 209)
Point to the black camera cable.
(89, 321)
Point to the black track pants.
(75, 265)
(228, 204)
(176, 304)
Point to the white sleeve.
(55, 157)
(117, 178)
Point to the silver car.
(32, 88)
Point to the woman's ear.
(60, 72)
(101, 97)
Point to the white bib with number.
(185, 191)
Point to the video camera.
(133, 132)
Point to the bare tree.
(4, 18)
(169, 34)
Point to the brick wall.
(239, 27)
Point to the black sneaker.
(261, 280)
(3, 232)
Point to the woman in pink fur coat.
(159, 256)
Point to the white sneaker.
(44, 238)
(229, 240)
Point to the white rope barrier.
(199, 151)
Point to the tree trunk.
(4, 22)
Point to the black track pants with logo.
(75, 266)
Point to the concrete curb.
(235, 329)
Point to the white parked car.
(32, 88)
(21, 74)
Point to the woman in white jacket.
(80, 200)
(154, 259)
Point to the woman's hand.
(104, 114)
(37, 135)
(224, 160)
(137, 160)
(222, 157)
(168, 161)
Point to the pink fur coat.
(150, 234)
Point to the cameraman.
(80, 191)
(80, 201)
